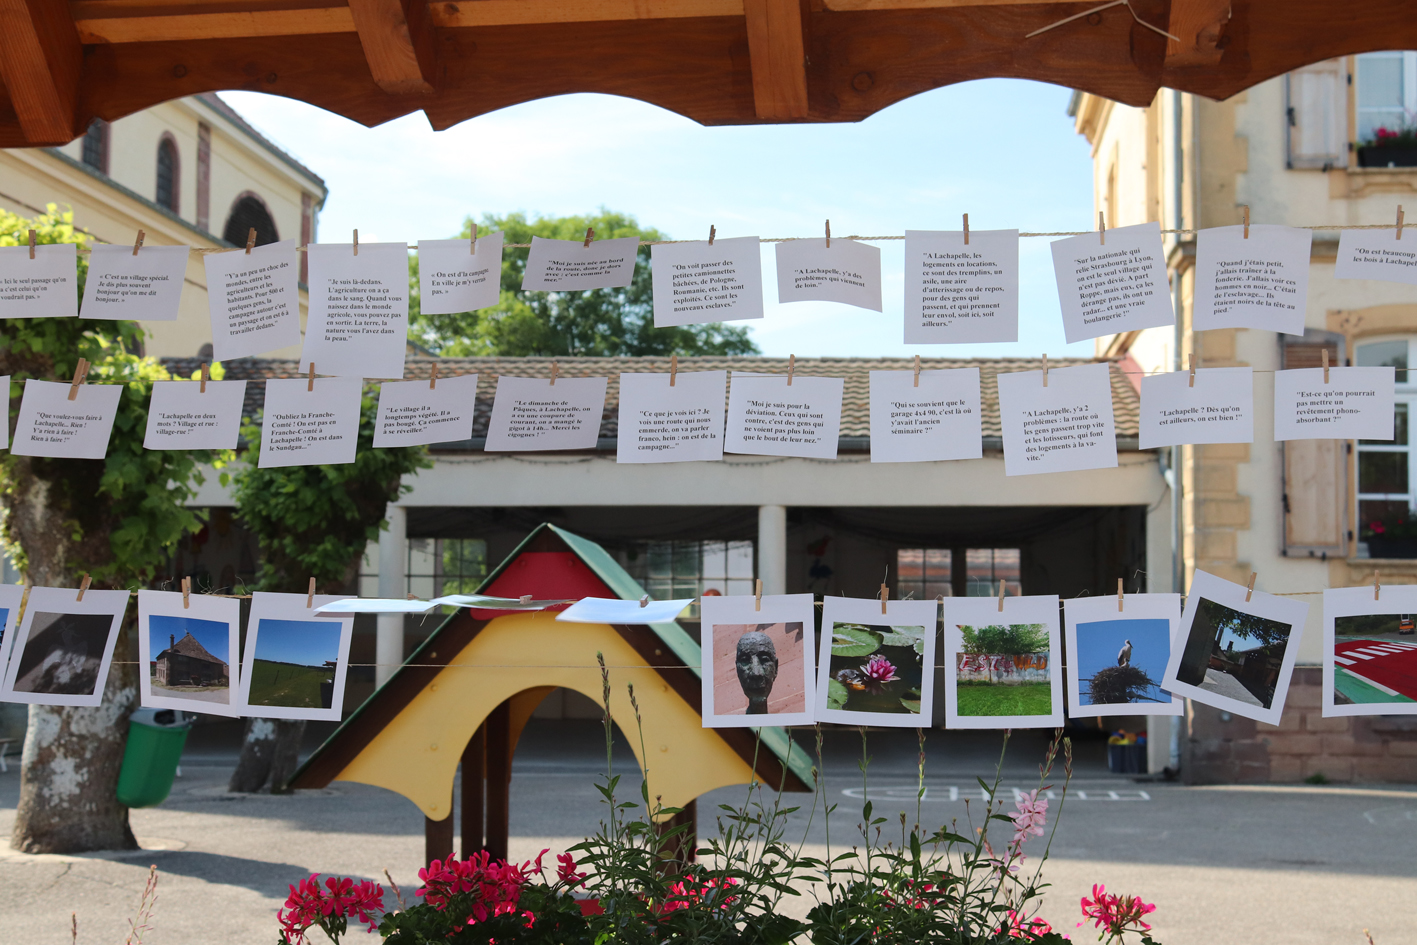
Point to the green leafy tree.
(118, 519)
(599, 322)
(1014, 639)
(311, 521)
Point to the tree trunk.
(270, 752)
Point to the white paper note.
(301, 427)
(1220, 408)
(410, 414)
(663, 424)
(371, 605)
(1064, 426)
(51, 424)
(358, 325)
(847, 272)
(695, 283)
(1356, 403)
(987, 688)
(1111, 287)
(756, 663)
(530, 413)
(767, 417)
(1377, 254)
(1261, 282)
(46, 286)
(146, 287)
(451, 279)
(192, 649)
(940, 419)
(611, 610)
(294, 663)
(875, 667)
(1370, 649)
(180, 417)
(63, 649)
(958, 294)
(570, 265)
(254, 300)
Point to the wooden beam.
(474, 773)
(851, 5)
(40, 62)
(154, 21)
(778, 58)
(397, 36)
(1200, 26)
(460, 13)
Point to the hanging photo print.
(454, 276)
(1236, 654)
(11, 596)
(63, 648)
(1118, 655)
(1370, 650)
(877, 668)
(757, 660)
(1001, 667)
(295, 662)
(189, 652)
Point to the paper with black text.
(146, 287)
(1112, 286)
(192, 647)
(663, 424)
(1220, 408)
(254, 300)
(302, 427)
(358, 324)
(570, 265)
(531, 413)
(848, 272)
(294, 662)
(1261, 282)
(1357, 403)
(1065, 426)
(46, 286)
(1370, 650)
(958, 294)
(182, 417)
(695, 283)
(51, 424)
(412, 414)
(63, 648)
(769, 417)
(939, 419)
(453, 279)
(1377, 254)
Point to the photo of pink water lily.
(875, 668)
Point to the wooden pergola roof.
(65, 62)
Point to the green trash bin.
(155, 740)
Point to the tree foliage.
(1014, 639)
(597, 322)
(1263, 631)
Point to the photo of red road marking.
(1391, 665)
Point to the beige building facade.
(1298, 514)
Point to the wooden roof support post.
(398, 41)
(40, 62)
(778, 56)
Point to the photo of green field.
(294, 664)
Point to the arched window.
(167, 173)
(247, 213)
(1387, 474)
(95, 151)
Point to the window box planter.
(1387, 157)
(1379, 547)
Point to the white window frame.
(1409, 87)
(1403, 394)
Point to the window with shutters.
(1387, 476)
(1316, 110)
(1385, 92)
(1315, 487)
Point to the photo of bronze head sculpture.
(757, 669)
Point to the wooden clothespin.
(1102, 228)
(525, 599)
(433, 377)
(311, 385)
(589, 235)
(356, 242)
(1193, 369)
(1250, 588)
(206, 376)
(791, 366)
(917, 370)
(1119, 595)
(712, 233)
(1045, 370)
(758, 596)
(1325, 355)
(186, 593)
(410, 597)
(83, 586)
(250, 240)
(1376, 586)
(555, 370)
(1399, 221)
(885, 596)
(966, 229)
(1001, 595)
(32, 237)
(310, 596)
(1247, 222)
(138, 243)
(81, 372)
(472, 243)
(644, 601)
(829, 234)
(673, 368)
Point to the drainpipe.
(1178, 564)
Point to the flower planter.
(1387, 157)
(1380, 547)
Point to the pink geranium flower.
(1115, 914)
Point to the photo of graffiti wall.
(1004, 669)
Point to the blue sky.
(1001, 150)
(214, 635)
(306, 642)
(1099, 643)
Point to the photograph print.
(1001, 669)
(875, 668)
(1233, 654)
(295, 662)
(189, 653)
(1118, 658)
(11, 596)
(757, 667)
(63, 648)
(1370, 651)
